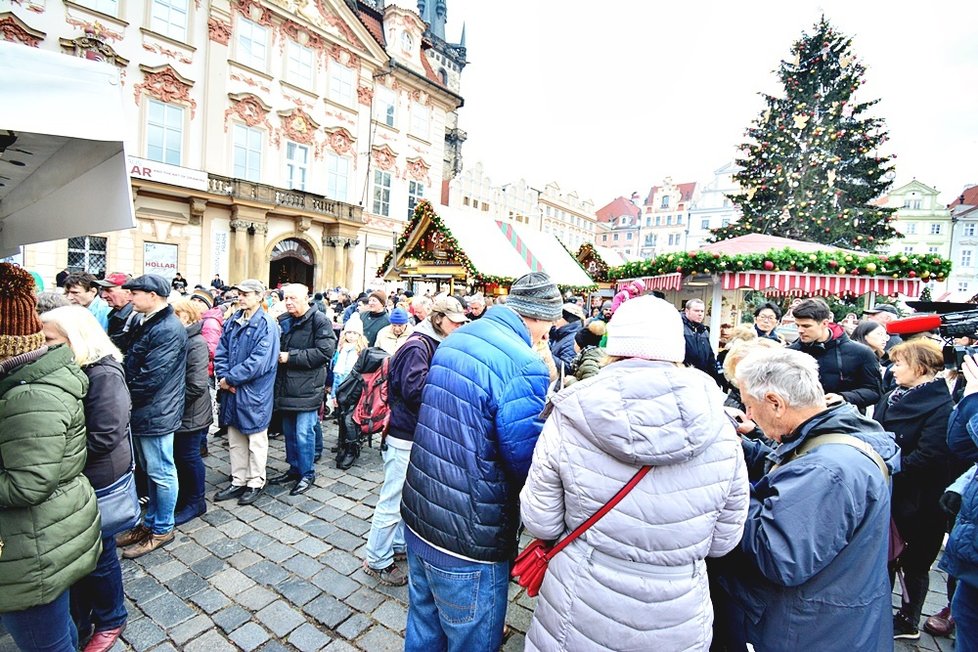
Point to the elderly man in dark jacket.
(849, 371)
(244, 366)
(478, 424)
(306, 346)
(812, 570)
(155, 366)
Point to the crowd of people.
(777, 488)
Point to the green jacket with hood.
(49, 520)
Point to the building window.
(382, 192)
(725, 222)
(247, 152)
(962, 286)
(933, 250)
(169, 17)
(416, 194)
(384, 102)
(629, 236)
(668, 220)
(337, 176)
(705, 224)
(966, 258)
(913, 204)
(935, 228)
(465, 201)
(420, 119)
(341, 81)
(164, 132)
(87, 254)
(485, 207)
(296, 165)
(658, 220)
(615, 237)
(110, 7)
(300, 65)
(648, 220)
(911, 228)
(908, 250)
(604, 238)
(679, 219)
(252, 44)
(969, 229)
(665, 202)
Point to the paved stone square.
(284, 573)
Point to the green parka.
(49, 520)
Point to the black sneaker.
(391, 576)
(903, 628)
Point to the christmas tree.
(812, 169)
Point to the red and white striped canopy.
(794, 283)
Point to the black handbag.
(118, 504)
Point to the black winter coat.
(155, 372)
(699, 351)
(372, 323)
(121, 323)
(310, 342)
(919, 423)
(107, 420)
(198, 412)
(846, 368)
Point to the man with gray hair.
(306, 346)
(815, 541)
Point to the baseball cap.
(149, 283)
(573, 309)
(882, 307)
(249, 285)
(451, 308)
(113, 280)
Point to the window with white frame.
(384, 100)
(247, 152)
(935, 228)
(679, 219)
(648, 220)
(615, 237)
(629, 235)
(296, 165)
(962, 286)
(164, 132)
(705, 224)
(725, 222)
(300, 64)
(420, 120)
(337, 176)
(933, 250)
(110, 7)
(665, 202)
(969, 229)
(87, 254)
(251, 44)
(658, 220)
(966, 258)
(169, 17)
(382, 192)
(341, 82)
(911, 228)
(912, 204)
(908, 250)
(415, 194)
(668, 220)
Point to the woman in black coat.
(917, 412)
(197, 417)
(98, 601)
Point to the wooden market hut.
(457, 247)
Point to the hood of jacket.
(42, 372)
(646, 412)
(425, 328)
(847, 420)
(194, 329)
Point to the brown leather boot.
(133, 536)
(148, 545)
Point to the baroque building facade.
(284, 140)
(926, 227)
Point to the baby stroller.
(362, 408)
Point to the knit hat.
(535, 296)
(380, 296)
(648, 328)
(399, 316)
(354, 323)
(204, 297)
(606, 306)
(20, 328)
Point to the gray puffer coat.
(636, 580)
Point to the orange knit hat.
(20, 328)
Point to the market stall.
(453, 247)
(778, 266)
(63, 171)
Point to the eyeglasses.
(766, 317)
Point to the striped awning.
(672, 281)
(796, 283)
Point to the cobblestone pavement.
(284, 573)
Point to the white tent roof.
(63, 171)
(483, 241)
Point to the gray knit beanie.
(535, 296)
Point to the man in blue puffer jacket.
(478, 424)
(961, 553)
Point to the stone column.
(238, 267)
(327, 266)
(349, 250)
(259, 267)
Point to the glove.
(950, 502)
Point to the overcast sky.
(607, 98)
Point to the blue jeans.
(386, 528)
(190, 467)
(455, 609)
(319, 437)
(99, 599)
(964, 608)
(300, 442)
(156, 456)
(44, 628)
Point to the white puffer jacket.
(636, 580)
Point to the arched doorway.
(291, 262)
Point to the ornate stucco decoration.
(385, 158)
(167, 85)
(297, 126)
(418, 170)
(250, 109)
(218, 31)
(14, 29)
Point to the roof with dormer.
(968, 197)
(616, 208)
(685, 192)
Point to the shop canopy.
(472, 247)
(63, 171)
